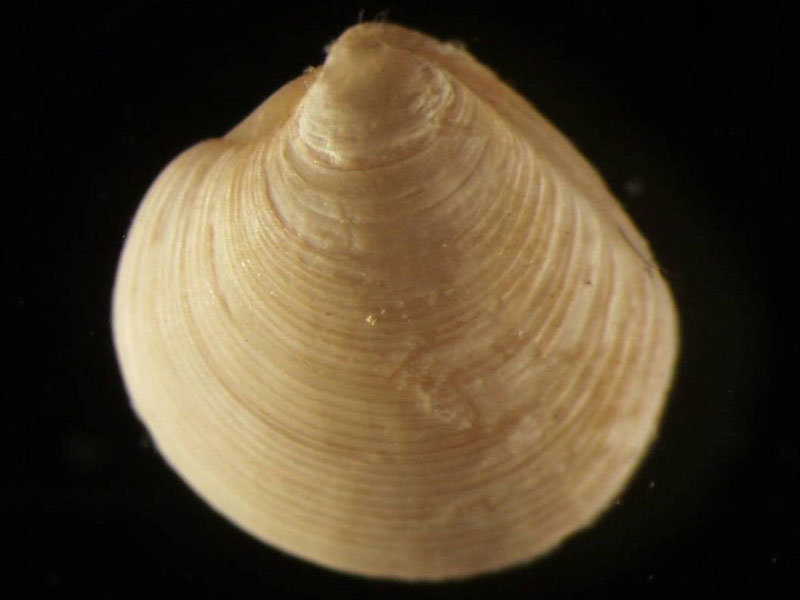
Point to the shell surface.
(393, 322)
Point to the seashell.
(393, 322)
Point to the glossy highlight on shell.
(393, 322)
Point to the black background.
(682, 108)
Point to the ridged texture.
(393, 322)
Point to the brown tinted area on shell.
(393, 322)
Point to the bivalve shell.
(393, 322)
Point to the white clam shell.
(393, 322)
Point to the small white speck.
(371, 319)
(652, 484)
(634, 187)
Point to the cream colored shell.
(393, 322)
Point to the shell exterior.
(393, 322)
